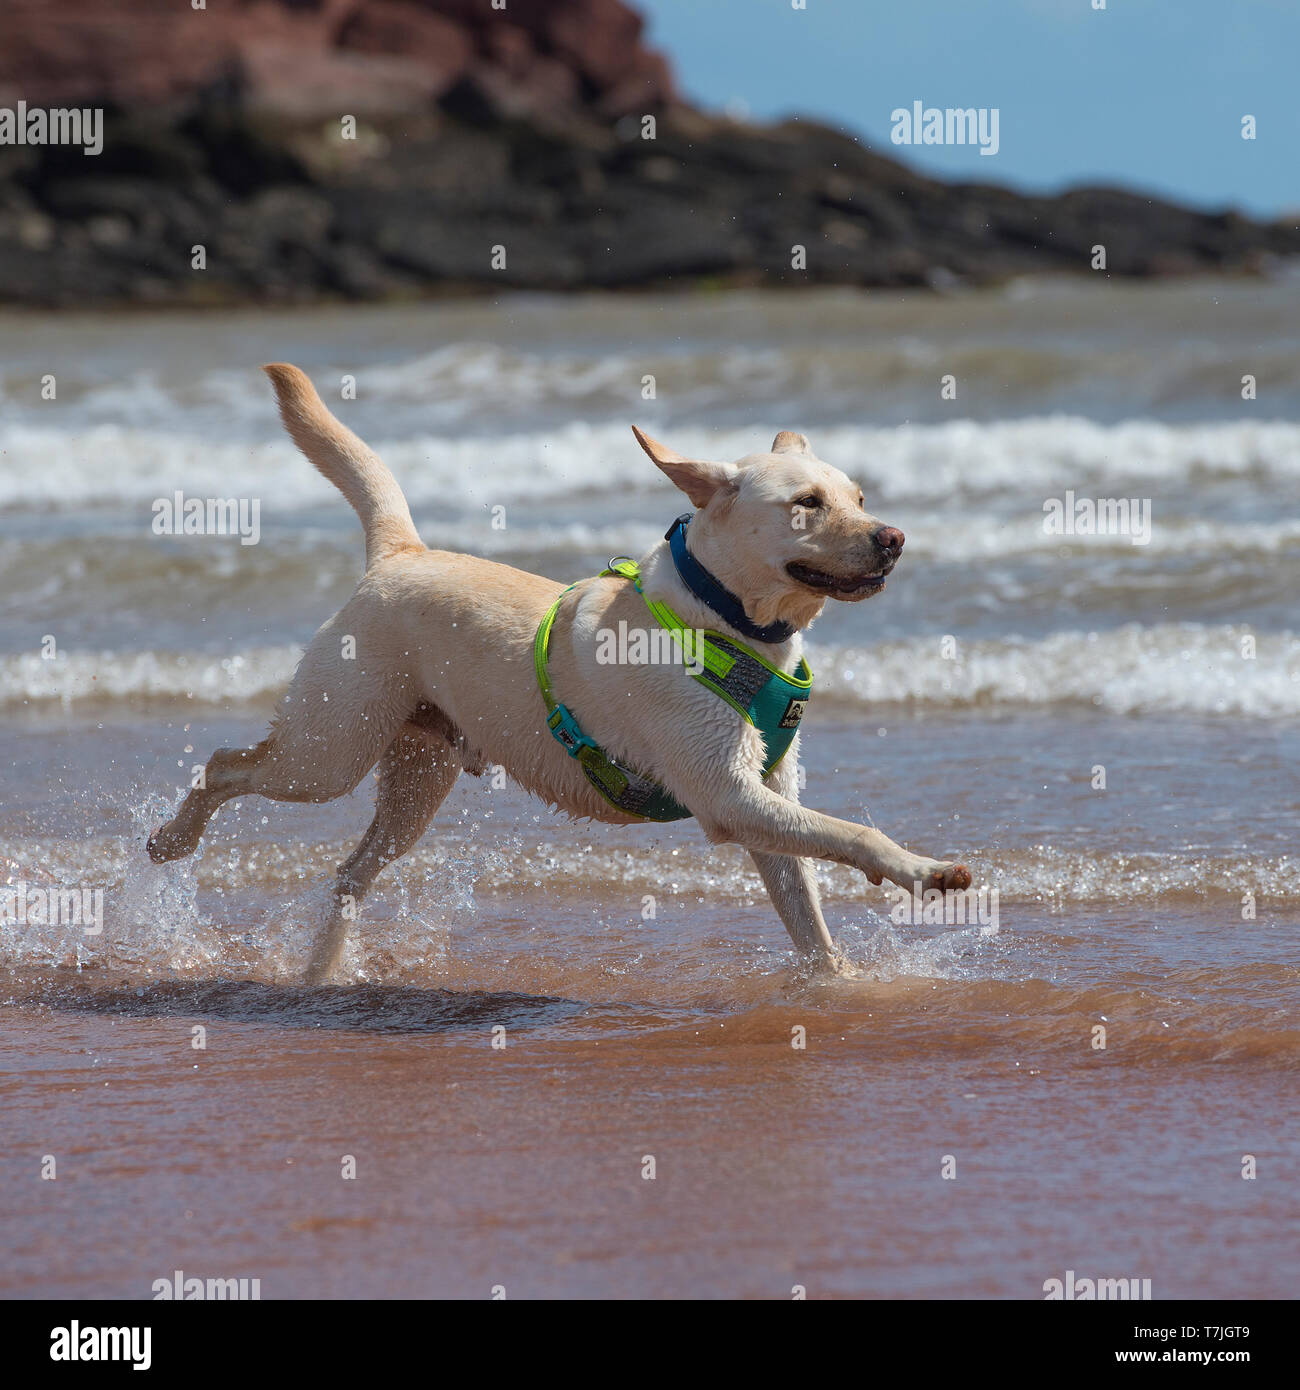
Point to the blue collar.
(715, 594)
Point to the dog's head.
(783, 530)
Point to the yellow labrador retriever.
(432, 668)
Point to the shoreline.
(468, 293)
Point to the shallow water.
(647, 993)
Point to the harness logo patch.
(793, 714)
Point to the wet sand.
(523, 1167)
(626, 1038)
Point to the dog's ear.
(787, 442)
(697, 479)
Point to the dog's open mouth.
(838, 585)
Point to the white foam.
(80, 677)
(1023, 461)
(1182, 668)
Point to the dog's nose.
(890, 540)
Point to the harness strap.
(623, 787)
(762, 694)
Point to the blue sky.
(1148, 94)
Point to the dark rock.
(478, 128)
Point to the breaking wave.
(1183, 668)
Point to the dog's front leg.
(792, 886)
(791, 880)
(741, 810)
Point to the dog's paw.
(944, 877)
(825, 968)
(955, 877)
(162, 847)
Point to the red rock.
(601, 38)
(319, 58)
(442, 48)
(640, 90)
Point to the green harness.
(762, 695)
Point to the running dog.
(456, 663)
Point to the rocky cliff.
(295, 149)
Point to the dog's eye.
(809, 500)
(862, 502)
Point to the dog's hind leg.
(417, 771)
(280, 768)
(329, 731)
(227, 774)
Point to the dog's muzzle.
(836, 584)
(888, 542)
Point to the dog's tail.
(357, 472)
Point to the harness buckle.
(610, 779)
(567, 733)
